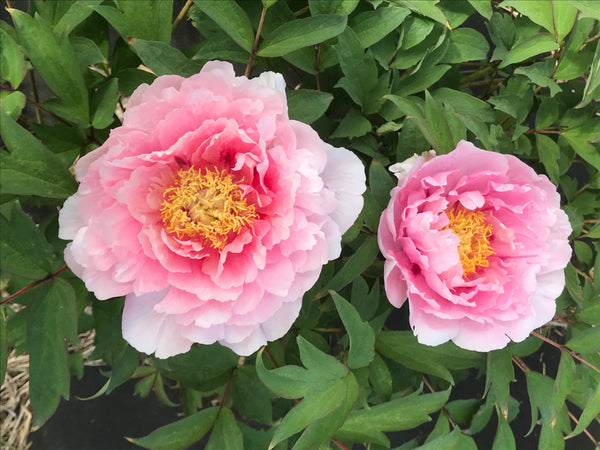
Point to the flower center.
(474, 234)
(208, 205)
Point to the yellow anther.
(474, 234)
(205, 205)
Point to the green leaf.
(549, 154)
(301, 33)
(30, 168)
(539, 43)
(588, 8)
(398, 414)
(354, 124)
(591, 313)
(499, 375)
(372, 26)
(287, 381)
(12, 61)
(456, 440)
(341, 7)
(402, 347)
(466, 44)
(202, 368)
(231, 18)
(540, 74)
(226, 433)
(438, 124)
(250, 396)
(123, 368)
(504, 439)
(574, 60)
(76, 14)
(421, 80)
(587, 341)
(142, 19)
(103, 104)
(131, 79)
(180, 434)
(425, 8)
(565, 379)
(315, 406)
(164, 59)
(315, 360)
(3, 345)
(381, 182)
(321, 431)
(52, 318)
(380, 377)
(356, 264)
(551, 438)
(24, 250)
(44, 50)
(483, 7)
(577, 138)
(540, 389)
(556, 16)
(13, 103)
(362, 336)
(591, 412)
(547, 113)
(592, 85)
(307, 105)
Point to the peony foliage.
(285, 325)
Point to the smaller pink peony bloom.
(211, 210)
(478, 244)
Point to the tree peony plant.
(478, 244)
(210, 210)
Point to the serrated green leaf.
(52, 318)
(180, 434)
(44, 50)
(12, 61)
(539, 43)
(307, 105)
(226, 433)
(372, 26)
(30, 168)
(362, 336)
(301, 33)
(24, 250)
(142, 19)
(164, 59)
(587, 341)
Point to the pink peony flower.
(210, 210)
(478, 244)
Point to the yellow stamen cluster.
(205, 205)
(474, 234)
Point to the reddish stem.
(34, 284)
(565, 349)
(255, 45)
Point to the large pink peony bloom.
(478, 244)
(211, 211)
